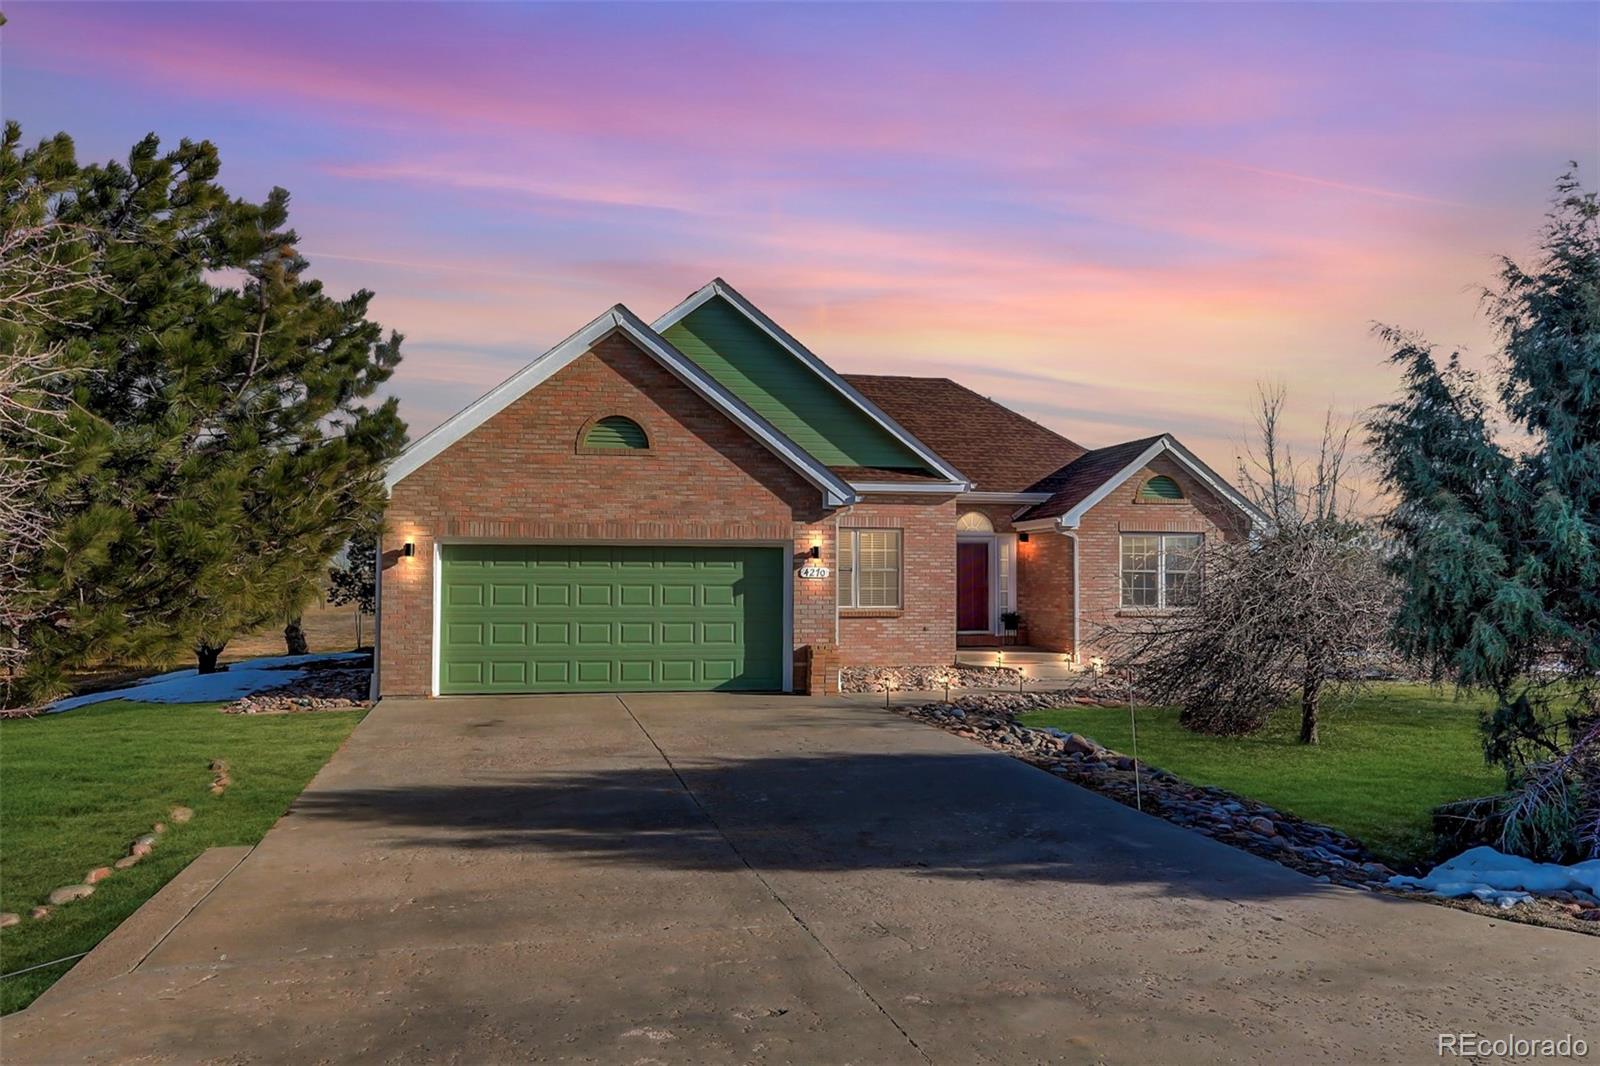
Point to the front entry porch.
(985, 581)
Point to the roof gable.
(618, 319)
(997, 448)
(1093, 476)
(777, 376)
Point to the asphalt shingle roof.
(997, 449)
(1073, 483)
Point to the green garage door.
(590, 618)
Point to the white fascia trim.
(1187, 459)
(835, 491)
(1216, 483)
(1005, 497)
(1037, 525)
(718, 287)
(882, 488)
(1071, 519)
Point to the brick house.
(702, 503)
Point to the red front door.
(972, 586)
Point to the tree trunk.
(294, 637)
(207, 656)
(358, 629)
(1310, 697)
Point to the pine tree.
(220, 449)
(1499, 545)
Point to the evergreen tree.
(1499, 545)
(220, 449)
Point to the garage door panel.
(717, 671)
(464, 634)
(504, 595)
(508, 634)
(552, 673)
(610, 618)
(546, 633)
(678, 672)
(717, 633)
(677, 595)
(636, 595)
(677, 632)
(635, 633)
(457, 673)
(508, 673)
(594, 672)
(547, 595)
(637, 672)
(595, 633)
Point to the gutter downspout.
(1077, 649)
(377, 616)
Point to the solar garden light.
(945, 677)
(889, 685)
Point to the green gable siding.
(785, 391)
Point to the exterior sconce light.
(1023, 537)
(816, 551)
(408, 549)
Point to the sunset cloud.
(1116, 218)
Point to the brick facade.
(1044, 589)
(1099, 537)
(522, 476)
(922, 630)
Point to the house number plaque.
(813, 571)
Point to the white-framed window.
(869, 567)
(1160, 569)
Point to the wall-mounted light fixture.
(408, 549)
(1023, 537)
(816, 551)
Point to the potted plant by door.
(1011, 622)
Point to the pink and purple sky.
(1116, 219)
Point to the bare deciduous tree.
(1300, 609)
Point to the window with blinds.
(869, 567)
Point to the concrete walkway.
(688, 879)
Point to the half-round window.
(616, 433)
(974, 522)
(1160, 489)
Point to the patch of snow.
(189, 686)
(1501, 879)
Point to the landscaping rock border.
(1085, 689)
(1321, 852)
(326, 688)
(137, 852)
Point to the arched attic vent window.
(616, 433)
(974, 522)
(1160, 489)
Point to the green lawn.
(76, 788)
(1387, 758)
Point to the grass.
(77, 788)
(1387, 757)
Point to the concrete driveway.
(686, 879)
